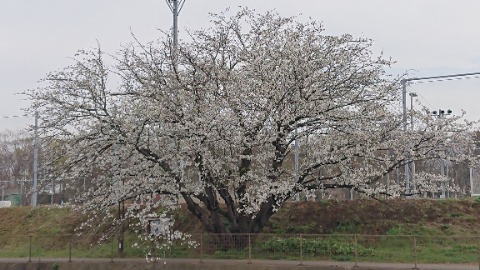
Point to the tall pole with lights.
(175, 6)
(412, 163)
(440, 114)
(404, 83)
(404, 105)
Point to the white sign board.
(474, 181)
(159, 227)
(4, 204)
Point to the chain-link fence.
(294, 247)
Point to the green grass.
(437, 241)
(388, 248)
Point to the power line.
(442, 77)
(14, 116)
(422, 97)
(449, 79)
(404, 83)
(456, 77)
(14, 181)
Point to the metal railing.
(293, 247)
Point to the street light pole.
(404, 103)
(175, 6)
(412, 95)
(412, 163)
(441, 113)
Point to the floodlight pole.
(441, 114)
(412, 175)
(404, 103)
(175, 6)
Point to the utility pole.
(412, 163)
(404, 83)
(404, 103)
(296, 156)
(117, 177)
(441, 114)
(35, 161)
(175, 6)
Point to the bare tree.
(16, 159)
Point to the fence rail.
(296, 247)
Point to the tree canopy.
(213, 120)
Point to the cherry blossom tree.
(213, 121)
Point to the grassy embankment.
(443, 231)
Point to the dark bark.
(229, 229)
(226, 219)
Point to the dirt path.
(187, 264)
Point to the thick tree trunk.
(230, 230)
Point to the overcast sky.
(427, 37)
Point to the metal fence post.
(415, 251)
(201, 248)
(70, 251)
(111, 252)
(249, 248)
(356, 251)
(478, 247)
(30, 250)
(301, 249)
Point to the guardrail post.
(30, 250)
(249, 248)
